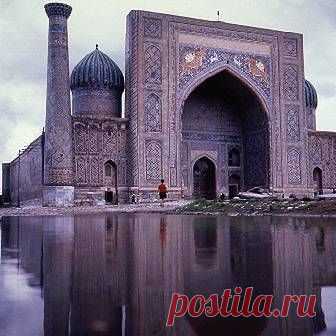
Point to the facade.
(210, 107)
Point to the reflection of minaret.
(57, 252)
(58, 166)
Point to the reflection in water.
(328, 295)
(205, 238)
(115, 274)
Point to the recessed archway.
(224, 117)
(110, 181)
(204, 177)
(317, 178)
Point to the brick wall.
(322, 155)
(26, 174)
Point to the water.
(115, 274)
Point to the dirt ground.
(228, 207)
(125, 208)
(262, 207)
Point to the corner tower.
(58, 153)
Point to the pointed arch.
(221, 110)
(221, 67)
(318, 181)
(111, 182)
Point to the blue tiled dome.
(97, 70)
(310, 95)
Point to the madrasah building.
(210, 107)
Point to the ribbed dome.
(310, 95)
(97, 70)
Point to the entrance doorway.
(234, 185)
(204, 174)
(110, 179)
(317, 177)
(109, 197)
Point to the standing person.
(162, 192)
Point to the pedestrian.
(162, 192)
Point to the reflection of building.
(324, 257)
(211, 107)
(156, 256)
(292, 272)
(89, 275)
(113, 274)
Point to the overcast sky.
(23, 41)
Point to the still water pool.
(115, 274)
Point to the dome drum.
(98, 102)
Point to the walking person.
(162, 192)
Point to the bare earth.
(325, 208)
(259, 207)
(125, 208)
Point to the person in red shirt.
(162, 192)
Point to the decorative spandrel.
(195, 60)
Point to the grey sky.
(23, 40)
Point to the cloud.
(23, 38)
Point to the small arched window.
(108, 169)
(234, 158)
(110, 174)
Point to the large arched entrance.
(204, 177)
(317, 178)
(225, 119)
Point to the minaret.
(58, 153)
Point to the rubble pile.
(255, 207)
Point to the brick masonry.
(168, 57)
(26, 175)
(173, 116)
